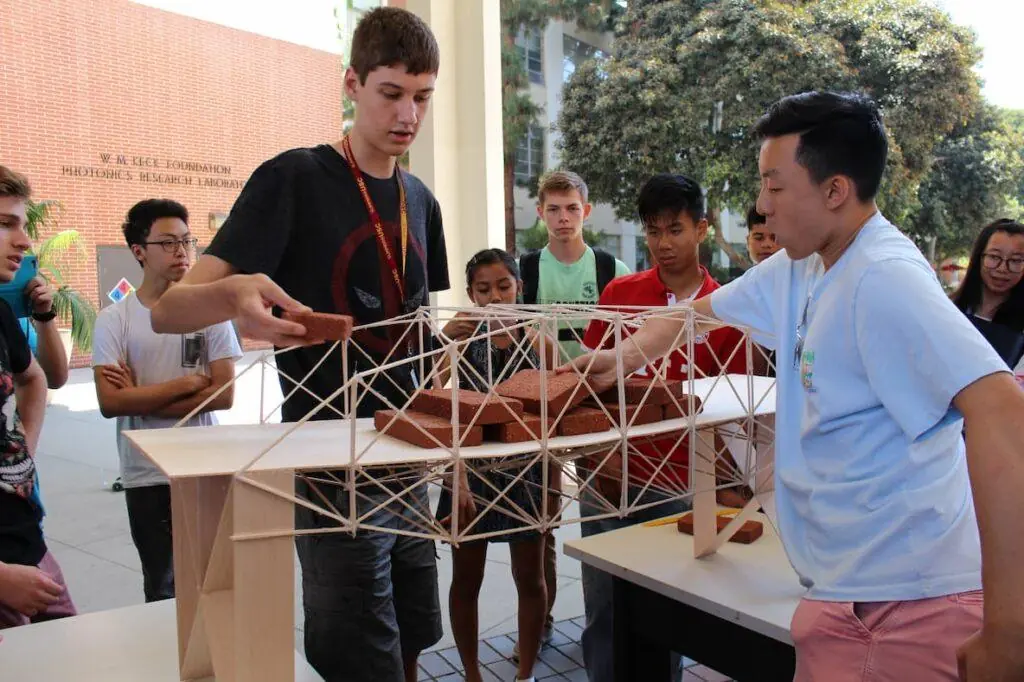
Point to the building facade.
(107, 102)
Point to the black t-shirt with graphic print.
(21, 538)
(301, 220)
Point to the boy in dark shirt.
(32, 587)
(343, 230)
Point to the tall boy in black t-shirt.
(31, 585)
(304, 225)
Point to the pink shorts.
(62, 608)
(884, 641)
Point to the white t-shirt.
(124, 332)
(874, 501)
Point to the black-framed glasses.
(171, 245)
(993, 261)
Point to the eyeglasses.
(993, 261)
(171, 245)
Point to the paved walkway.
(87, 530)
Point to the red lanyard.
(378, 224)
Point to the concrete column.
(458, 152)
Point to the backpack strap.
(605, 268)
(529, 270)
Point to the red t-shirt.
(712, 353)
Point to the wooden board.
(213, 450)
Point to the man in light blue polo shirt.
(878, 375)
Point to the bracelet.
(44, 317)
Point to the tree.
(54, 254)
(519, 112)
(689, 79)
(975, 178)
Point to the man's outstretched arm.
(213, 292)
(993, 409)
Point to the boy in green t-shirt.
(565, 271)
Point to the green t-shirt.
(573, 284)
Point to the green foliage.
(691, 77)
(536, 237)
(976, 177)
(55, 253)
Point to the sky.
(997, 24)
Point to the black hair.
(142, 215)
(968, 295)
(841, 133)
(754, 218)
(491, 257)
(668, 193)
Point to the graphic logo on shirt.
(192, 347)
(17, 468)
(807, 371)
(590, 291)
(361, 286)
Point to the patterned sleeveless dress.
(524, 498)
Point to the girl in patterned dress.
(492, 276)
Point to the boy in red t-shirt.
(671, 209)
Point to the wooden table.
(133, 644)
(730, 611)
(232, 497)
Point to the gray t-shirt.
(125, 333)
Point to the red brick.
(583, 420)
(408, 428)
(491, 409)
(323, 326)
(648, 414)
(562, 390)
(514, 432)
(670, 411)
(635, 389)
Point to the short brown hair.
(392, 36)
(562, 181)
(14, 184)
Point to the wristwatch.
(44, 317)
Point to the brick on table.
(487, 676)
(435, 665)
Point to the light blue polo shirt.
(872, 492)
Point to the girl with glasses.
(992, 294)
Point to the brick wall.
(102, 100)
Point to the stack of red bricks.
(512, 413)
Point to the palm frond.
(72, 307)
(53, 252)
(40, 213)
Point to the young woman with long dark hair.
(992, 292)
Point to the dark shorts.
(369, 599)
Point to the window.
(529, 45)
(575, 52)
(530, 155)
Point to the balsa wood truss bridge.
(562, 456)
